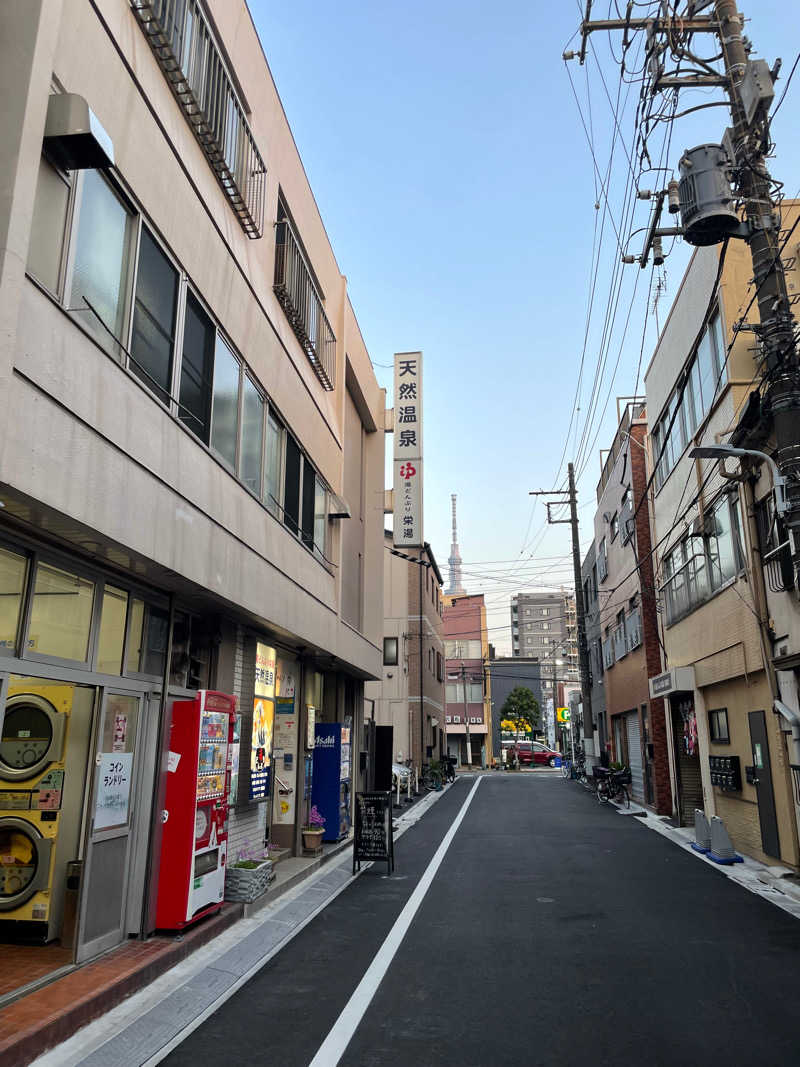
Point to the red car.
(541, 754)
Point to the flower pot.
(246, 884)
(312, 840)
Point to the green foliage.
(521, 708)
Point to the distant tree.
(522, 709)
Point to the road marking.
(333, 1047)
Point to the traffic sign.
(563, 715)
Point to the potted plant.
(249, 877)
(313, 830)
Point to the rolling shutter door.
(635, 756)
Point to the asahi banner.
(408, 450)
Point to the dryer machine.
(32, 746)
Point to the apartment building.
(468, 690)
(595, 732)
(625, 650)
(410, 697)
(727, 747)
(191, 434)
(543, 625)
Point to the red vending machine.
(194, 841)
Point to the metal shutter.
(635, 755)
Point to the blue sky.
(446, 152)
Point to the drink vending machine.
(330, 788)
(194, 839)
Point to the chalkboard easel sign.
(374, 838)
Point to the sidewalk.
(240, 934)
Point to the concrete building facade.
(543, 625)
(468, 690)
(728, 748)
(411, 694)
(191, 431)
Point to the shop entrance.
(109, 832)
(763, 783)
(687, 757)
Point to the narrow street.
(554, 930)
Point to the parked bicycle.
(613, 785)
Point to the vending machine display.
(330, 790)
(194, 838)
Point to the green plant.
(316, 821)
(522, 709)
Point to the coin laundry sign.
(408, 449)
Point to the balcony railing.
(298, 296)
(182, 43)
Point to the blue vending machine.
(330, 789)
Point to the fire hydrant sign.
(113, 789)
(407, 482)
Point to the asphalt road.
(554, 931)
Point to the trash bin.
(72, 892)
(557, 762)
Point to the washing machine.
(32, 747)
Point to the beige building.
(191, 430)
(410, 696)
(468, 690)
(728, 750)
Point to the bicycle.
(566, 768)
(612, 785)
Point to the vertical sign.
(408, 449)
(263, 716)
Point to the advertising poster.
(285, 748)
(263, 718)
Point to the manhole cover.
(545, 900)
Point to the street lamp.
(721, 451)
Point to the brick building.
(626, 648)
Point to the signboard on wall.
(407, 479)
(284, 759)
(263, 719)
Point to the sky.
(474, 187)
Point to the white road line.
(333, 1047)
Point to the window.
(147, 639)
(633, 629)
(291, 485)
(602, 561)
(619, 636)
(608, 651)
(309, 503)
(153, 333)
(199, 336)
(545, 625)
(545, 611)
(390, 651)
(704, 562)
(614, 524)
(462, 649)
(320, 505)
(112, 630)
(439, 667)
(474, 692)
(252, 442)
(225, 403)
(272, 486)
(61, 614)
(718, 726)
(48, 226)
(102, 255)
(13, 574)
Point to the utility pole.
(580, 617)
(748, 85)
(466, 715)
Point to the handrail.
(295, 289)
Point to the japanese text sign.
(408, 449)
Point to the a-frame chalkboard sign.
(374, 837)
